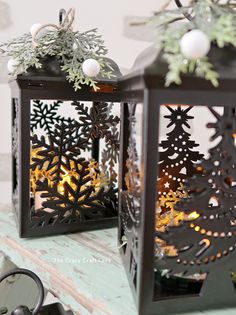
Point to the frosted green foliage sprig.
(215, 19)
(70, 47)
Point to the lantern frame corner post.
(15, 99)
(20, 108)
(24, 163)
(125, 241)
(143, 291)
(151, 119)
(124, 135)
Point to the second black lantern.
(65, 150)
(177, 187)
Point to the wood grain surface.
(83, 270)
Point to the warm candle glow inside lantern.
(171, 217)
(97, 179)
(176, 165)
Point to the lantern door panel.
(195, 212)
(15, 155)
(192, 230)
(72, 166)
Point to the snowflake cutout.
(60, 151)
(45, 116)
(96, 121)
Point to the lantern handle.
(66, 19)
(36, 280)
(187, 15)
(62, 14)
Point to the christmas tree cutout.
(177, 157)
(206, 244)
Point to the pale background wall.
(112, 19)
(107, 15)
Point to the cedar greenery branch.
(213, 18)
(70, 47)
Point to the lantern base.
(176, 295)
(68, 228)
(176, 285)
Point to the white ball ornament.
(35, 33)
(12, 65)
(91, 67)
(195, 44)
(34, 28)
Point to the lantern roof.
(51, 82)
(51, 71)
(51, 77)
(150, 69)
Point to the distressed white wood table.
(83, 270)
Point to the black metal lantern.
(65, 151)
(177, 186)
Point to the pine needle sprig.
(216, 19)
(69, 47)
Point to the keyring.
(36, 280)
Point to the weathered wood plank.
(83, 270)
